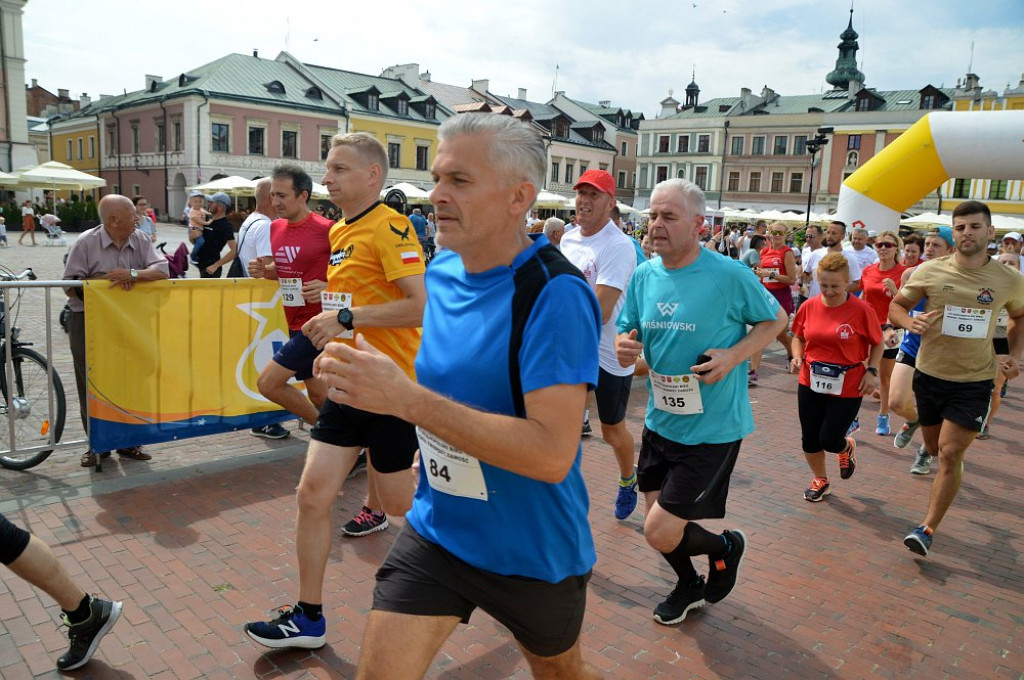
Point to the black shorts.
(421, 578)
(298, 355)
(906, 359)
(693, 478)
(1001, 346)
(392, 441)
(964, 403)
(891, 353)
(612, 395)
(13, 541)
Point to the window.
(403, 107)
(962, 188)
(554, 172)
(373, 102)
(853, 142)
(997, 189)
(111, 145)
(737, 146)
(289, 144)
(81, 146)
(734, 181)
(597, 135)
(700, 176)
(928, 101)
(422, 158)
(568, 173)
(70, 146)
(864, 104)
(136, 190)
(661, 174)
(92, 146)
(256, 141)
(325, 146)
(161, 139)
(624, 148)
(561, 129)
(796, 183)
(221, 133)
(394, 155)
(800, 145)
(663, 144)
(777, 178)
(622, 180)
(135, 137)
(780, 145)
(583, 167)
(683, 144)
(754, 185)
(429, 110)
(758, 146)
(703, 143)
(602, 166)
(176, 134)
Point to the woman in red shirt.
(913, 249)
(880, 282)
(778, 273)
(837, 344)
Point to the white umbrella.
(319, 191)
(413, 194)
(232, 186)
(928, 219)
(1007, 223)
(626, 209)
(7, 180)
(54, 175)
(547, 199)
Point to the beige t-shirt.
(958, 346)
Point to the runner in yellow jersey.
(374, 287)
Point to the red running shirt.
(301, 251)
(875, 293)
(837, 335)
(772, 258)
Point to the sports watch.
(134, 274)
(345, 318)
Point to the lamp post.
(813, 146)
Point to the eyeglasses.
(885, 245)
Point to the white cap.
(1014, 235)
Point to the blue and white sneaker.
(919, 541)
(290, 629)
(625, 500)
(854, 428)
(883, 425)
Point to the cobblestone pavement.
(200, 540)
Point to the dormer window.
(402, 107)
(429, 111)
(863, 104)
(372, 102)
(274, 87)
(597, 134)
(561, 129)
(314, 93)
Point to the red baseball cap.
(599, 179)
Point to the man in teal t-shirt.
(688, 311)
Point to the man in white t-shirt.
(254, 234)
(607, 259)
(833, 244)
(859, 247)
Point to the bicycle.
(25, 393)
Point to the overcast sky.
(631, 52)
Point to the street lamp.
(813, 146)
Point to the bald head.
(117, 213)
(263, 195)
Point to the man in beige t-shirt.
(956, 364)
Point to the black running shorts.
(693, 478)
(964, 403)
(392, 441)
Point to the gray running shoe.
(905, 435)
(922, 463)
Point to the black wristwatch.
(872, 370)
(345, 318)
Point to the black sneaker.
(359, 466)
(587, 430)
(365, 523)
(725, 570)
(679, 603)
(85, 636)
(272, 431)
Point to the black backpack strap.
(529, 280)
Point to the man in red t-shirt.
(300, 242)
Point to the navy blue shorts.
(297, 355)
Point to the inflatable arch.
(942, 145)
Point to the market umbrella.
(7, 180)
(232, 185)
(626, 209)
(929, 219)
(547, 199)
(413, 194)
(54, 175)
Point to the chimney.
(84, 100)
(605, 104)
(748, 100)
(152, 79)
(35, 83)
(767, 93)
(256, 52)
(971, 83)
(425, 76)
(62, 94)
(522, 93)
(481, 85)
(854, 87)
(407, 73)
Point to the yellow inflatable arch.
(942, 145)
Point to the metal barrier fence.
(33, 391)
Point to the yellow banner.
(180, 358)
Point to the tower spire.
(846, 65)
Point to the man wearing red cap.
(607, 259)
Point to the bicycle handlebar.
(27, 274)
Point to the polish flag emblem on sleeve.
(410, 257)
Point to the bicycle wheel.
(29, 402)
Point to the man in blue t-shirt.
(509, 352)
(688, 311)
(419, 223)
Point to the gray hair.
(859, 231)
(553, 224)
(692, 194)
(516, 148)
